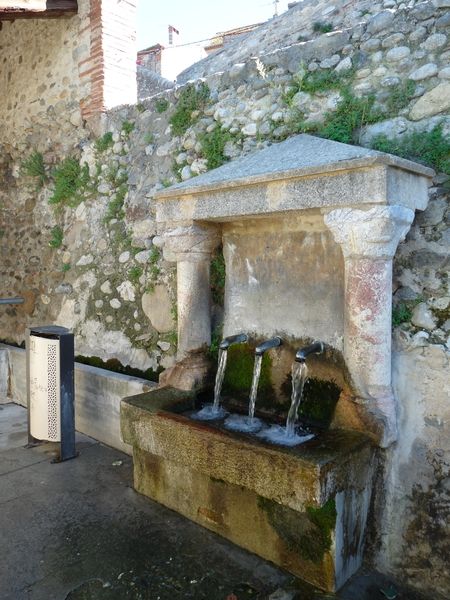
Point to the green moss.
(239, 373)
(116, 366)
(216, 338)
(33, 166)
(319, 402)
(104, 142)
(70, 182)
(307, 534)
(192, 99)
(57, 237)
(430, 148)
(218, 277)
(66, 267)
(213, 146)
(161, 105)
(324, 518)
(442, 315)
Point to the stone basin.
(304, 508)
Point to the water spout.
(315, 348)
(239, 338)
(272, 343)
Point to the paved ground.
(78, 531)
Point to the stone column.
(369, 240)
(191, 248)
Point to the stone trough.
(309, 228)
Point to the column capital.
(373, 233)
(190, 243)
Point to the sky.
(198, 19)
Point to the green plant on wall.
(57, 237)
(217, 277)
(431, 148)
(192, 99)
(134, 274)
(399, 97)
(213, 146)
(161, 105)
(321, 27)
(70, 182)
(154, 270)
(127, 127)
(104, 142)
(34, 166)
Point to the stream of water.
(287, 436)
(214, 410)
(248, 424)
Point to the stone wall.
(91, 261)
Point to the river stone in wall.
(157, 307)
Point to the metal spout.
(315, 348)
(272, 343)
(239, 338)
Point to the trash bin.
(50, 386)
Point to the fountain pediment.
(302, 173)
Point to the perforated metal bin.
(50, 384)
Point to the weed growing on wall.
(33, 166)
(134, 274)
(218, 277)
(57, 237)
(431, 148)
(351, 114)
(127, 127)
(70, 182)
(400, 96)
(154, 270)
(104, 142)
(321, 27)
(192, 101)
(161, 105)
(400, 314)
(213, 146)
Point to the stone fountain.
(309, 228)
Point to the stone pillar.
(369, 240)
(191, 248)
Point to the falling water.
(248, 424)
(286, 436)
(219, 378)
(299, 374)
(215, 411)
(254, 388)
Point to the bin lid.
(49, 330)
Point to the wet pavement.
(78, 531)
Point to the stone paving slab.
(78, 531)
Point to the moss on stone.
(239, 373)
(306, 533)
(114, 365)
(319, 401)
